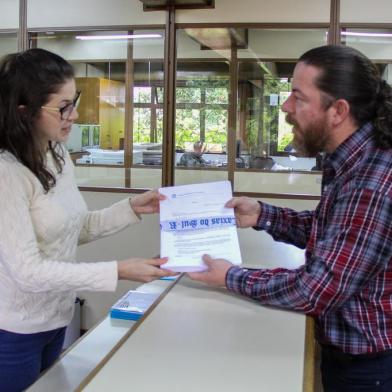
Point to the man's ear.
(341, 110)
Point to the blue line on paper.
(197, 223)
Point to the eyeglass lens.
(67, 110)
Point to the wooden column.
(128, 129)
(169, 101)
(232, 116)
(334, 29)
(22, 32)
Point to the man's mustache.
(289, 120)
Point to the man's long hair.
(26, 81)
(347, 74)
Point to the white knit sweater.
(39, 234)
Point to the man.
(194, 158)
(339, 106)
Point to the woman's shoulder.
(7, 157)
(9, 163)
(14, 176)
(12, 171)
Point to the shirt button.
(268, 223)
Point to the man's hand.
(246, 211)
(146, 203)
(216, 273)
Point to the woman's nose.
(74, 115)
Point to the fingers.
(237, 202)
(196, 275)
(165, 272)
(160, 271)
(147, 197)
(161, 196)
(207, 260)
(201, 276)
(155, 195)
(158, 262)
(147, 203)
(231, 203)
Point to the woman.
(44, 217)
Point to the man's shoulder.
(374, 171)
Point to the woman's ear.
(22, 110)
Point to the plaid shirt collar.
(348, 153)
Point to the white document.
(194, 221)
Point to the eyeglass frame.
(73, 105)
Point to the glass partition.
(375, 43)
(261, 61)
(202, 105)
(120, 125)
(120, 74)
(8, 43)
(266, 161)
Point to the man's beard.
(311, 140)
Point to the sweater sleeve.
(107, 221)
(22, 262)
(102, 223)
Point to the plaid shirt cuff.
(268, 218)
(235, 279)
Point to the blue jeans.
(356, 373)
(24, 356)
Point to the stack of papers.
(194, 221)
(133, 305)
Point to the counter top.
(204, 339)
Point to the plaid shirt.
(346, 281)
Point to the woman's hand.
(142, 270)
(146, 203)
(246, 211)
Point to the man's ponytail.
(383, 119)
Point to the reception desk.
(195, 339)
(202, 339)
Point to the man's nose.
(287, 105)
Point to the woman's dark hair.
(26, 81)
(347, 74)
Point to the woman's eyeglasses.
(65, 111)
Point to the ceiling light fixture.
(359, 34)
(121, 36)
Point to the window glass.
(266, 160)
(202, 103)
(265, 63)
(187, 95)
(217, 95)
(8, 43)
(148, 96)
(141, 125)
(142, 94)
(98, 138)
(375, 44)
